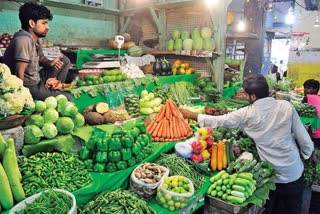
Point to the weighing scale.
(106, 60)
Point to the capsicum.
(136, 149)
(127, 141)
(134, 132)
(115, 144)
(102, 144)
(114, 156)
(140, 158)
(84, 153)
(99, 167)
(101, 157)
(111, 167)
(141, 127)
(89, 163)
(143, 139)
(122, 165)
(131, 161)
(90, 144)
(126, 154)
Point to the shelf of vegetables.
(108, 153)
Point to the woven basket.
(13, 121)
(282, 96)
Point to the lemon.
(168, 197)
(177, 204)
(174, 184)
(180, 178)
(165, 186)
(170, 203)
(162, 200)
(172, 208)
(180, 184)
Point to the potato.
(109, 117)
(88, 109)
(101, 107)
(93, 118)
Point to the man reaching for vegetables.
(24, 55)
(275, 127)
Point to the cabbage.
(197, 44)
(206, 33)
(178, 45)
(51, 102)
(170, 45)
(195, 33)
(176, 34)
(70, 110)
(185, 35)
(62, 103)
(65, 125)
(40, 106)
(187, 44)
(32, 134)
(61, 98)
(208, 44)
(49, 130)
(36, 120)
(50, 115)
(79, 120)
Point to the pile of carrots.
(169, 124)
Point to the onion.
(1, 45)
(3, 42)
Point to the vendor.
(24, 55)
(280, 138)
(311, 89)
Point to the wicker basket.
(13, 121)
(282, 96)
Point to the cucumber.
(238, 188)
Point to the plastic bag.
(142, 188)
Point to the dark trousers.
(40, 92)
(286, 199)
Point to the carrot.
(159, 134)
(150, 125)
(165, 128)
(174, 128)
(168, 112)
(220, 156)
(153, 127)
(170, 129)
(172, 108)
(161, 114)
(178, 134)
(224, 157)
(181, 127)
(156, 139)
(177, 111)
(213, 161)
(161, 139)
(187, 126)
(155, 132)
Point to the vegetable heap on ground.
(305, 110)
(49, 202)
(10, 177)
(169, 124)
(53, 170)
(119, 201)
(116, 151)
(14, 97)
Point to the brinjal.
(164, 66)
(157, 67)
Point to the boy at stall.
(311, 89)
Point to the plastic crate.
(84, 56)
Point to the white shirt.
(273, 125)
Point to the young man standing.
(280, 138)
(24, 55)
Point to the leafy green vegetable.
(65, 125)
(36, 120)
(51, 102)
(40, 106)
(50, 115)
(32, 134)
(49, 130)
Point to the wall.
(68, 27)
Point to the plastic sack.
(142, 188)
(21, 205)
(173, 200)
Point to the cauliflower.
(10, 84)
(29, 103)
(10, 104)
(4, 72)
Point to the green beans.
(53, 170)
(49, 202)
(180, 166)
(117, 202)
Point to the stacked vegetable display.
(181, 67)
(53, 170)
(105, 77)
(15, 98)
(235, 188)
(5, 40)
(116, 151)
(131, 102)
(169, 124)
(149, 103)
(305, 110)
(10, 177)
(200, 40)
(56, 115)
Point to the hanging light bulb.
(290, 16)
(317, 23)
(241, 25)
